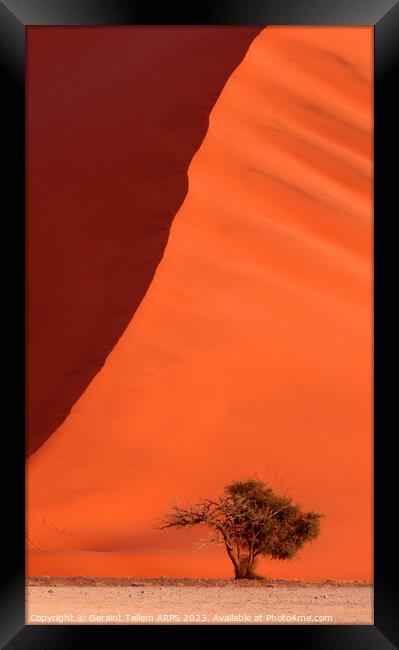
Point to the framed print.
(203, 204)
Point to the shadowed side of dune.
(251, 351)
(114, 117)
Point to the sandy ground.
(187, 602)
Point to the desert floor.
(75, 601)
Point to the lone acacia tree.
(250, 520)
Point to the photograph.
(199, 255)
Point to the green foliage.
(273, 524)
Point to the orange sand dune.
(251, 351)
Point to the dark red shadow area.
(114, 116)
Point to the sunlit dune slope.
(251, 351)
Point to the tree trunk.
(245, 569)
(232, 557)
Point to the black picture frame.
(15, 17)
